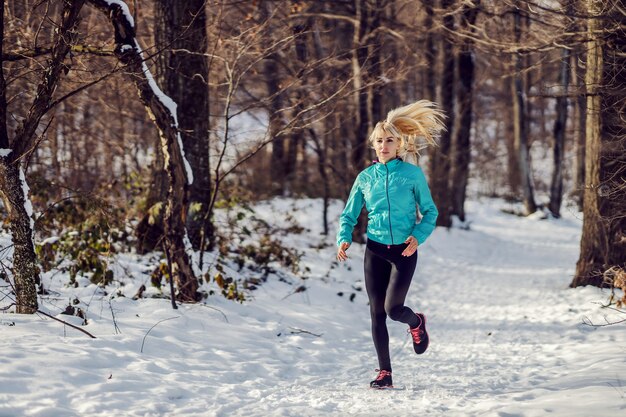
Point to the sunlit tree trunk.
(603, 240)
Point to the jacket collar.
(390, 164)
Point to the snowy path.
(506, 340)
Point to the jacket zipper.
(388, 203)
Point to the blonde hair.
(422, 119)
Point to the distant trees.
(278, 97)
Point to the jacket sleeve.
(350, 214)
(427, 207)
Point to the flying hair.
(420, 120)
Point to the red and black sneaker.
(383, 380)
(419, 334)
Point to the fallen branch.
(47, 315)
(68, 324)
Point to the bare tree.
(163, 112)
(13, 188)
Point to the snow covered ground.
(507, 336)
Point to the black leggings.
(388, 276)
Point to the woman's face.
(386, 147)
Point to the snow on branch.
(161, 107)
(124, 9)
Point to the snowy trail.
(507, 339)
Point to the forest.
(127, 126)
(172, 178)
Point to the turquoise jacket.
(390, 193)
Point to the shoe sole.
(390, 388)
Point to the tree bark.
(4, 134)
(271, 76)
(520, 125)
(359, 73)
(463, 123)
(182, 69)
(13, 191)
(376, 47)
(556, 185)
(440, 157)
(163, 113)
(603, 240)
(431, 53)
(579, 128)
(296, 136)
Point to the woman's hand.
(341, 252)
(412, 246)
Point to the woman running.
(394, 190)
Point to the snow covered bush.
(83, 236)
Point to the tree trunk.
(513, 167)
(320, 150)
(579, 119)
(295, 137)
(13, 187)
(431, 53)
(440, 157)
(556, 185)
(271, 76)
(181, 28)
(376, 92)
(359, 71)
(163, 112)
(520, 126)
(13, 191)
(462, 129)
(603, 240)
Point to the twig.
(216, 309)
(117, 329)
(588, 322)
(295, 330)
(157, 323)
(301, 288)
